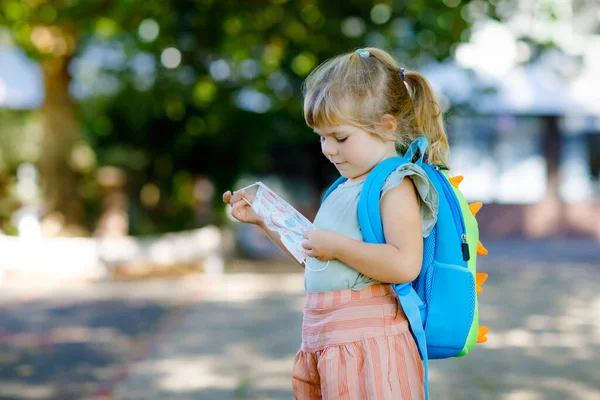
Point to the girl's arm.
(400, 259)
(275, 238)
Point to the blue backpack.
(441, 304)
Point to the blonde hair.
(356, 90)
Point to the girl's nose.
(328, 148)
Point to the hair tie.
(363, 53)
(402, 73)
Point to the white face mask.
(281, 217)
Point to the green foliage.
(227, 96)
(19, 142)
(56, 28)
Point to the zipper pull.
(465, 248)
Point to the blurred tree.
(220, 92)
(169, 90)
(52, 33)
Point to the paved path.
(235, 336)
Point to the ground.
(234, 336)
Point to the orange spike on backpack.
(475, 207)
(480, 277)
(481, 334)
(481, 251)
(456, 180)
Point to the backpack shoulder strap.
(417, 148)
(369, 219)
(369, 215)
(412, 305)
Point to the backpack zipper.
(455, 208)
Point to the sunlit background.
(121, 123)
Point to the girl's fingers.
(242, 194)
(234, 197)
(306, 245)
(237, 196)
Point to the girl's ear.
(388, 126)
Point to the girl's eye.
(342, 140)
(321, 139)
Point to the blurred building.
(529, 141)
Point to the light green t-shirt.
(338, 213)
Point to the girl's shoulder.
(428, 195)
(413, 171)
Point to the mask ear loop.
(248, 187)
(315, 270)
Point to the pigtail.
(428, 117)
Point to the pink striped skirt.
(357, 345)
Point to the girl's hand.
(321, 244)
(240, 209)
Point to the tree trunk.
(546, 218)
(552, 147)
(61, 132)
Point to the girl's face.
(352, 150)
